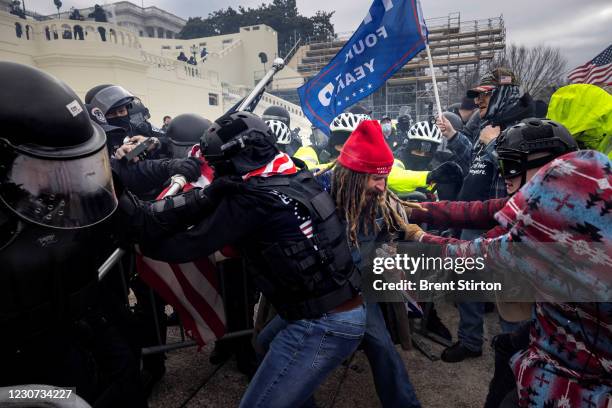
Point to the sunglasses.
(483, 94)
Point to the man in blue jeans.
(359, 187)
(500, 106)
(286, 226)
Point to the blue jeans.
(391, 379)
(471, 325)
(300, 354)
(509, 327)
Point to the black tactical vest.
(311, 276)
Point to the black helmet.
(93, 91)
(110, 97)
(277, 113)
(238, 143)
(532, 136)
(184, 131)
(54, 168)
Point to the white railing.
(72, 30)
(102, 34)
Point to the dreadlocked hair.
(360, 210)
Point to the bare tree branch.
(539, 70)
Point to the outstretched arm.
(458, 214)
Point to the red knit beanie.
(366, 151)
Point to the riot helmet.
(185, 131)
(93, 91)
(54, 168)
(111, 97)
(277, 113)
(237, 143)
(529, 137)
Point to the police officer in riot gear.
(184, 132)
(287, 228)
(122, 110)
(145, 178)
(56, 200)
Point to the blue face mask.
(387, 129)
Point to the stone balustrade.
(72, 30)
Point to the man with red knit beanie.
(373, 215)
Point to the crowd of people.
(79, 179)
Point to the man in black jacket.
(286, 226)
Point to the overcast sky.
(582, 29)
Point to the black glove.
(223, 186)
(188, 167)
(182, 210)
(446, 173)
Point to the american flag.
(598, 71)
(192, 288)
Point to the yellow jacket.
(308, 155)
(402, 181)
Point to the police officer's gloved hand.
(188, 167)
(446, 173)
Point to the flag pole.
(433, 79)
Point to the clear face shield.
(66, 194)
(111, 96)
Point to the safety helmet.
(347, 122)
(277, 113)
(54, 168)
(93, 91)
(425, 132)
(111, 97)
(342, 126)
(280, 131)
(528, 137)
(185, 131)
(237, 143)
(425, 137)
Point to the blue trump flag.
(390, 35)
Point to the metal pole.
(110, 262)
(277, 65)
(386, 99)
(433, 79)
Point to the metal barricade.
(113, 262)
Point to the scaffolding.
(460, 50)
